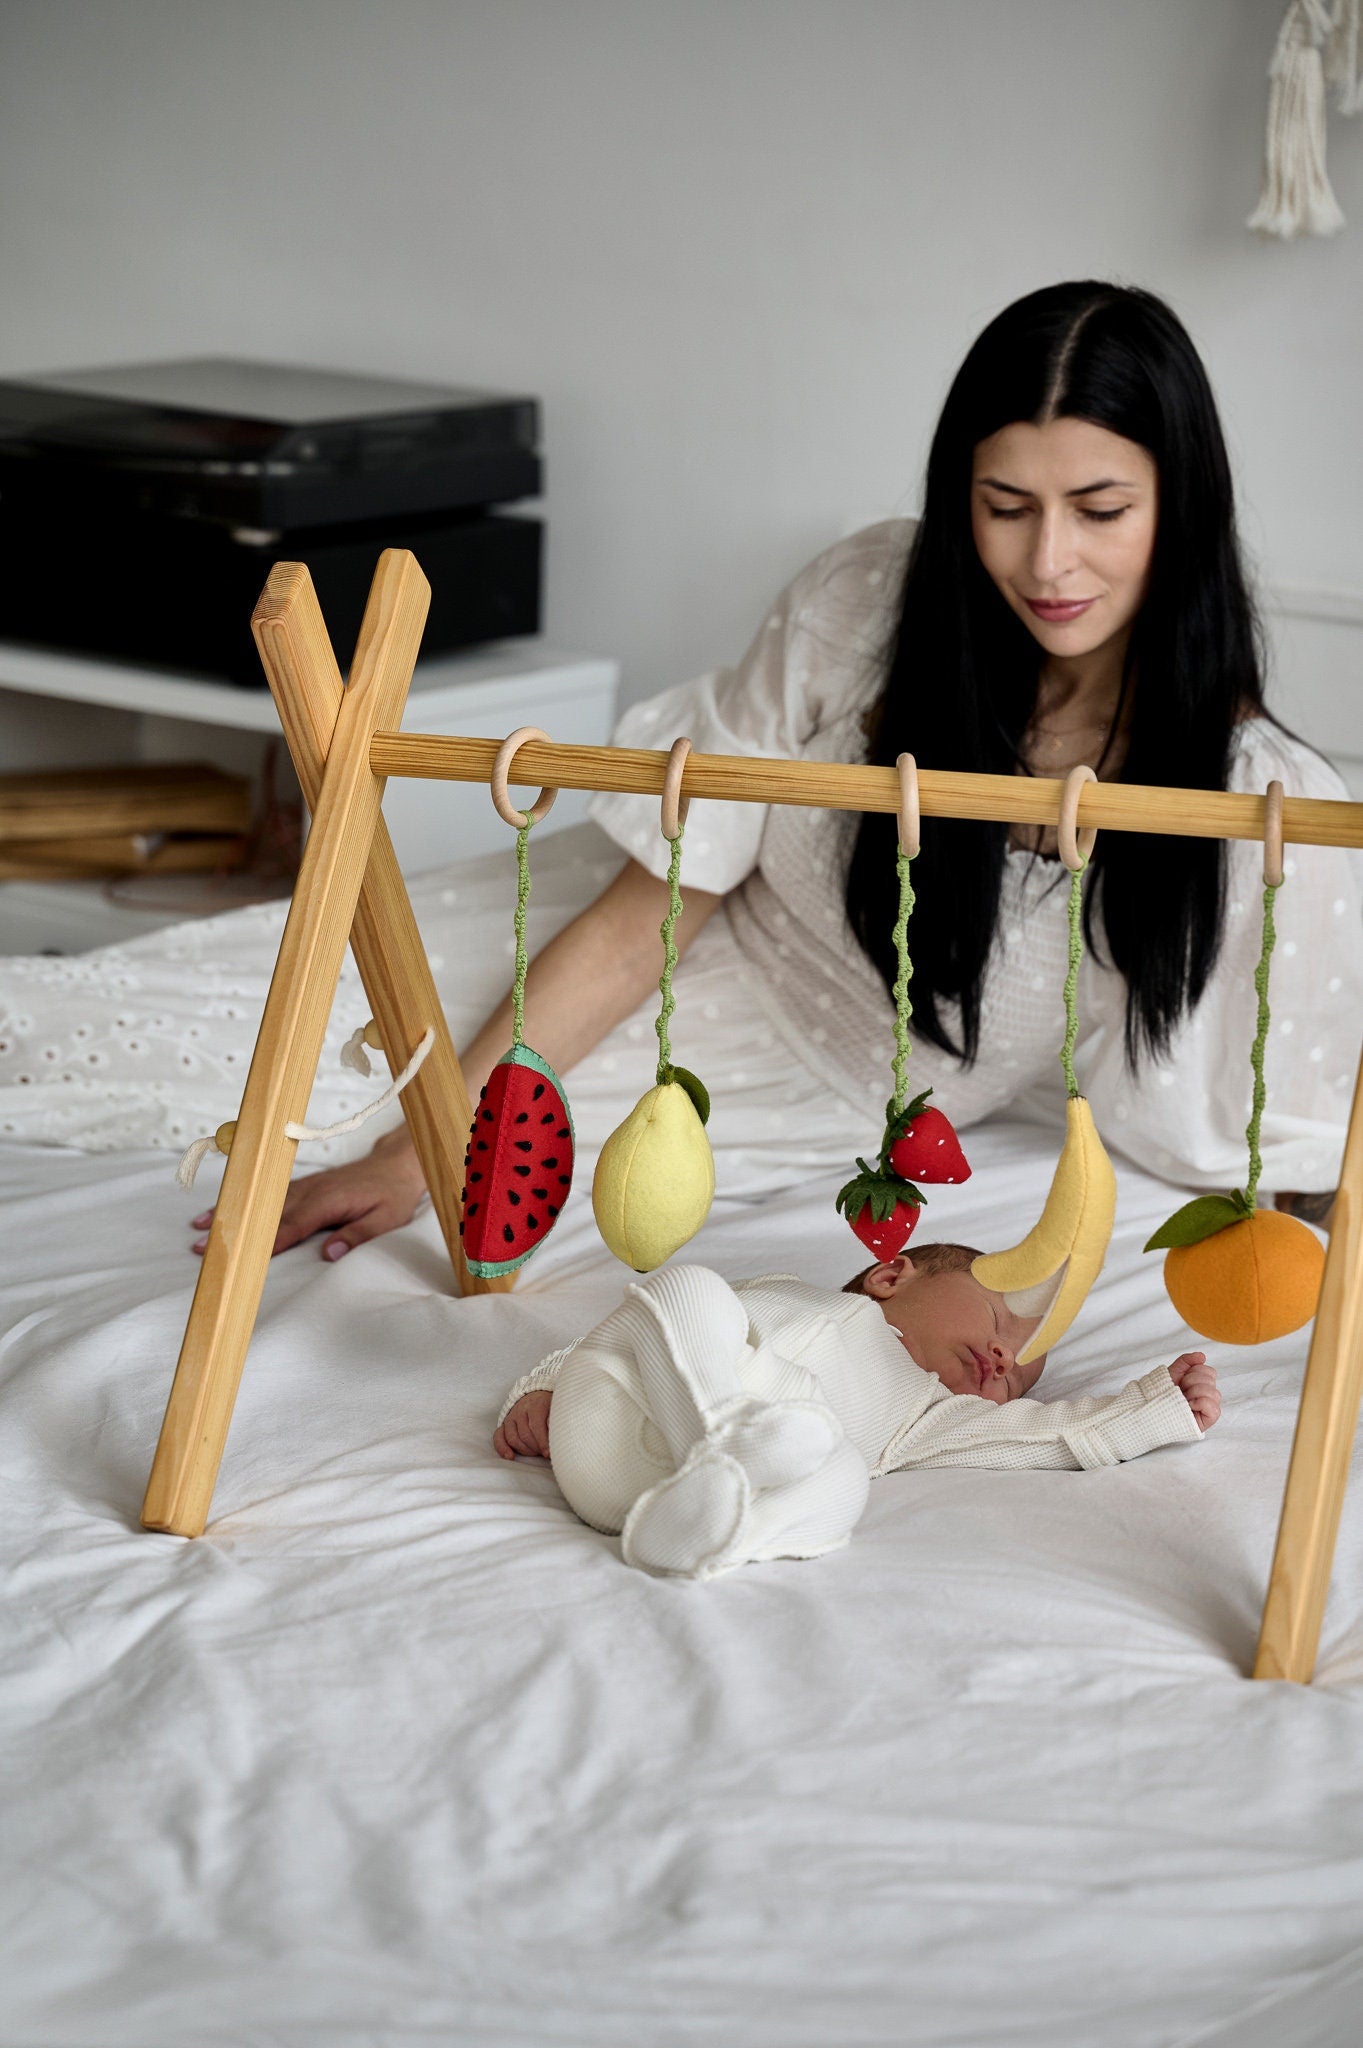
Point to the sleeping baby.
(711, 1425)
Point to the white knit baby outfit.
(804, 689)
(712, 1426)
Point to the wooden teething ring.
(910, 825)
(1273, 836)
(501, 767)
(674, 807)
(1075, 848)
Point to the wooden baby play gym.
(345, 743)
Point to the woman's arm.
(594, 973)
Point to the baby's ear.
(882, 1280)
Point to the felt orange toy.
(1236, 1273)
(1249, 1282)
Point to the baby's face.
(952, 1326)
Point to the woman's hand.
(526, 1427)
(352, 1203)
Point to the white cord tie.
(196, 1153)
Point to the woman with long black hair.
(1072, 593)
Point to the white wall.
(737, 246)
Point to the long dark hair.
(962, 678)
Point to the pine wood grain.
(1327, 1419)
(306, 683)
(846, 786)
(284, 1064)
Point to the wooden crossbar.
(349, 882)
(849, 786)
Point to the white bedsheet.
(401, 1752)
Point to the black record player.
(141, 507)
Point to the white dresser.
(70, 710)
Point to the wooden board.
(141, 797)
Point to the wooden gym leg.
(285, 1060)
(297, 655)
(1326, 1420)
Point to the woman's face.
(1064, 522)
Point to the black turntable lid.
(268, 444)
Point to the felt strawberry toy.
(920, 1144)
(881, 1208)
(882, 1203)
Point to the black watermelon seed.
(523, 1116)
(472, 1209)
(482, 1091)
(533, 1221)
(552, 1210)
(548, 1117)
(551, 1161)
(564, 1133)
(461, 1226)
(513, 1198)
(482, 1144)
(564, 1179)
(508, 1234)
(524, 1171)
(475, 1176)
(542, 1194)
(524, 1145)
(538, 1091)
(487, 1116)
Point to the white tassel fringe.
(1296, 197)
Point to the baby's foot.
(776, 1442)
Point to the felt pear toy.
(1051, 1271)
(1053, 1268)
(1236, 1273)
(655, 1178)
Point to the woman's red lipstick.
(1056, 614)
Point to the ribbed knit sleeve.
(1073, 1436)
(538, 1381)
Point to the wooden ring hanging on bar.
(1075, 848)
(675, 807)
(910, 816)
(1273, 836)
(501, 769)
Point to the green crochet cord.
(1256, 1058)
(1072, 978)
(903, 1008)
(522, 900)
(669, 925)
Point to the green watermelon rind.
(496, 1269)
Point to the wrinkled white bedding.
(401, 1752)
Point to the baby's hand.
(1196, 1381)
(526, 1428)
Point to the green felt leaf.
(696, 1089)
(880, 1192)
(1198, 1219)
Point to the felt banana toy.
(655, 1179)
(1053, 1268)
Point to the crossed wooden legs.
(348, 873)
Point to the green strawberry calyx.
(878, 1191)
(897, 1123)
(1202, 1217)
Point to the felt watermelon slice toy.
(519, 1164)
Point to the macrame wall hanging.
(1318, 47)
